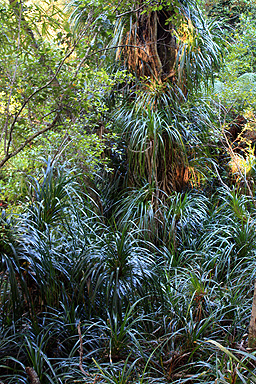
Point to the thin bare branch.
(81, 351)
(134, 10)
(29, 139)
(252, 326)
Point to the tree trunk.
(151, 47)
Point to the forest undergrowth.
(85, 298)
(127, 234)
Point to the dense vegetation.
(127, 188)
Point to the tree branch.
(134, 10)
(29, 139)
(81, 351)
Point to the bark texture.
(151, 46)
